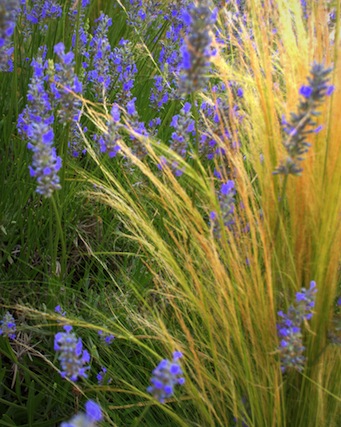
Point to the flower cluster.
(196, 49)
(35, 124)
(38, 12)
(93, 415)
(71, 354)
(109, 140)
(184, 127)
(125, 70)
(289, 329)
(65, 86)
(165, 376)
(100, 74)
(227, 207)
(105, 338)
(8, 14)
(165, 85)
(142, 14)
(42, 9)
(138, 147)
(303, 123)
(8, 326)
(102, 376)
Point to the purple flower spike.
(165, 376)
(93, 415)
(8, 326)
(72, 357)
(289, 329)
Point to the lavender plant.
(109, 140)
(9, 10)
(165, 377)
(65, 85)
(291, 346)
(196, 49)
(92, 416)
(99, 72)
(227, 208)
(7, 326)
(72, 357)
(35, 125)
(303, 122)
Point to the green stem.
(59, 236)
(281, 206)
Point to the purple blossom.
(165, 377)
(100, 70)
(101, 376)
(65, 86)
(8, 326)
(71, 354)
(226, 198)
(35, 124)
(302, 123)
(289, 329)
(106, 338)
(196, 48)
(41, 10)
(9, 10)
(109, 141)
(93, 415)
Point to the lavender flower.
(41, 10)
(58, 309)
(93, 414)
(107, 339)
(71, 354)
(165, 377)
(38, 13)
(227, 208)
(125, 70)
(142, 14)
(9, 10)
(65, 86)
(184, 126)
(109, 140)
(35, 124)
(289, 329)
(100, 74)
(196, 50)
(101, 377)
(302, 124)
(138, 147)
(8, 326)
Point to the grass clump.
(183, 201)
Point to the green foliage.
(130, 250)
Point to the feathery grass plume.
(9, 10)
(92, 416)
(7, 326)
(302, 122)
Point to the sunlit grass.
(130, 250)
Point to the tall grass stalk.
(218, 298)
